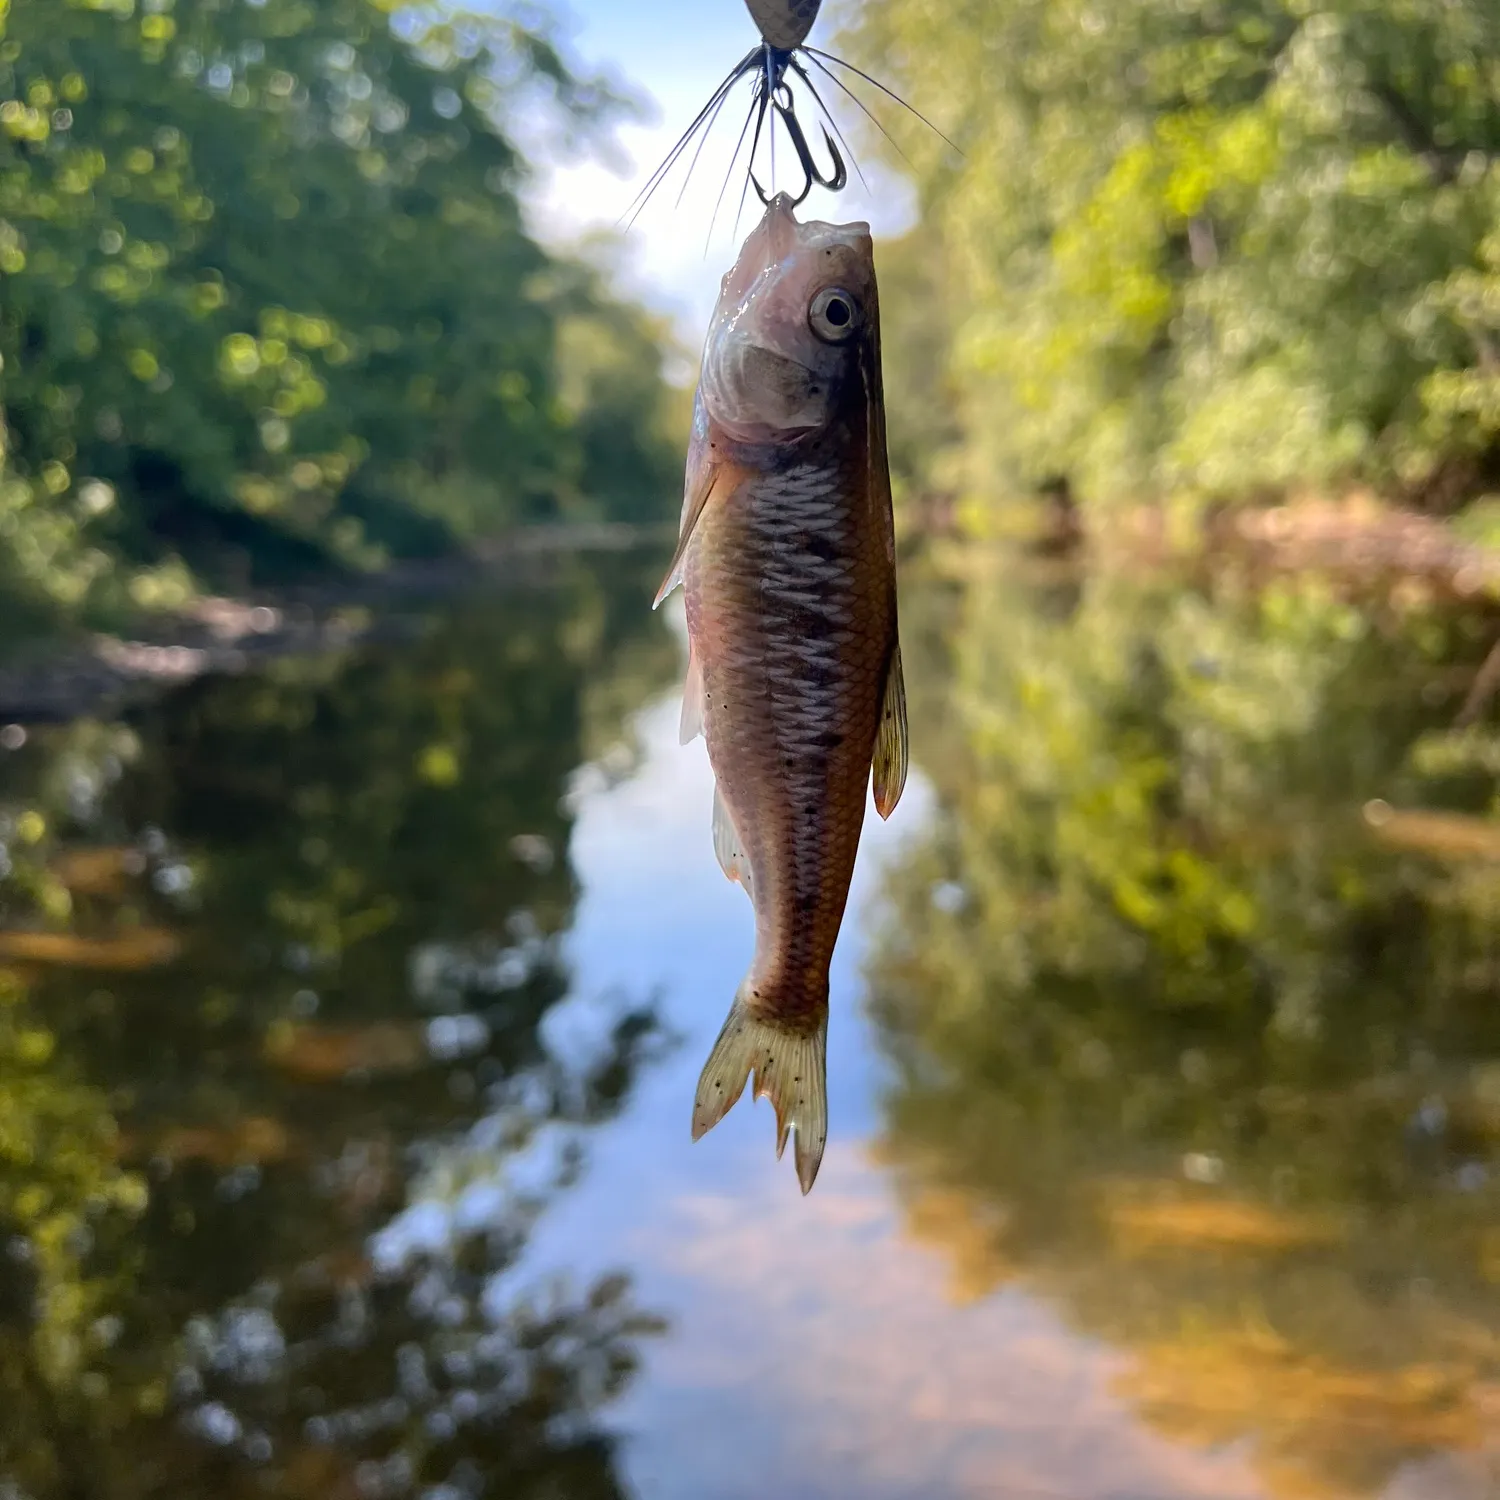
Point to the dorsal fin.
(891, 753)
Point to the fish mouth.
(775, 240)
(780, 212)
(771, 241)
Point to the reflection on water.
(276, 1114)
(1193, 1000)
(350, 1011)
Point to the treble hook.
(810, 169)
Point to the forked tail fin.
(789, 1067)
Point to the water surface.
(352, 1009)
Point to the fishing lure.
(782, 55)
(783, 23)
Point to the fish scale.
(801, 798)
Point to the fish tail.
(788, 1061)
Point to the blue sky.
(675, 52)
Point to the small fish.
(786, 553)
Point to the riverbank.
(1357, 543)
(1365, 549)
(59, 678)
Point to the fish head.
(795, 313)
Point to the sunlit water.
(394, 972)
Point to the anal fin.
(732, 858)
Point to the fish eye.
(834, 315)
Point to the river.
(351, 1007)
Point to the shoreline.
(61, 679)
(1357, 540)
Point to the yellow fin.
(790, 1070)
(732, 858)
(891, 753)
(690, 725)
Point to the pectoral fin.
(732, 858)
(891, 754)
(692, 511)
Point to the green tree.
(1210, 248)
(268, 301)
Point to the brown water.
(352, 1006)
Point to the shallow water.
(353, 1008)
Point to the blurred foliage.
(1191, 1000)
(269, 304)
(277, 1112)
(1201, 247)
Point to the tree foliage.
(267, 300)
(1210, 247)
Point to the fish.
(787, 559)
